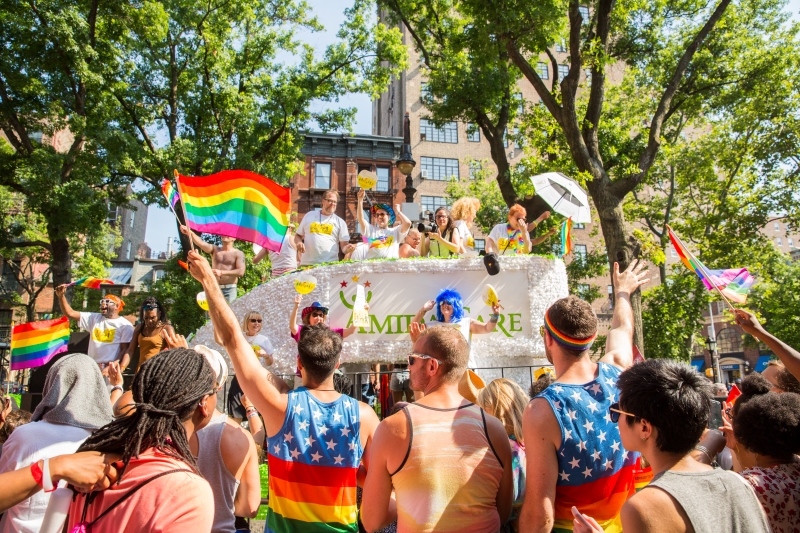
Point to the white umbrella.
(564, 196)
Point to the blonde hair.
(247, 317)
(504, 399)
(465, 207)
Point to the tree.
(777, 301)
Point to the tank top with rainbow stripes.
(595, 473)
(313, 461)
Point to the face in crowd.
(108, 308)
(316, 317)
(254, 325)
(381, 218)
(329, 203)
(413, 239)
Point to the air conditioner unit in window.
(423, 136)
(423, 174)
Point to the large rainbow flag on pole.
(732, 283)
(239, 204)
(35, 343)
(91, 282)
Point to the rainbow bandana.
(566, 340)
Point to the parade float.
(395, 290)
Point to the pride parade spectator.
(148, 334)
(785, 353)
(312, 315)
(662, 412)
(448, 462)
(464, 210)
(159, 486)
(410, 245)
(513, 238)
(382, 239)
(110, 334)
(446, 240)
(263, 350)
(322, 234)
(316, 437)
(764, 435)
(283, 261)
(227, 262)
(74, 404)
(571, 443)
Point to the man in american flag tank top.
(571, 443)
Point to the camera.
(430, 227)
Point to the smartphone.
(715, 415)
(579, 517)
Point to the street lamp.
(711, 344)
(406, 162)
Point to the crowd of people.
(455, 454)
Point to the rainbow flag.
(170, 193)
(566, 237)
(239, 204)
(733, 283)
(91, 282)
(35, 343)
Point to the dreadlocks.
(167, 390)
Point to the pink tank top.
(451, 475)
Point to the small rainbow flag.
(35, 343)
(170, 193)
(733, 283)
(239, 204)
(91, 282)
(566, 237)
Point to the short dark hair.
(319, 350)
(767, 423)
(538, 386)
(450, 348)
(575, 318)
(671, 396)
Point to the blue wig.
(451, 297)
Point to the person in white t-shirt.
(322, 234)
(110, 334)
(463, 212)
(284, 261)
(383, 240)
(262, 348)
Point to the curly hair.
(787, 382)
(13, 421)
(464, 208)
(517, 211)
(767, 423)
(451, 297)
(538, 386)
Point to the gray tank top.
(213, 469)
(716, 501)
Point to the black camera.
(431, 227)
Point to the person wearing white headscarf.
(74, 404)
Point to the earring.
(644, 439)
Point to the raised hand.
(86, 471)
(199, 267)
(360, 195)
(114, 374)
(174, 340)
(429, 305)
(748, 322)
(415, 329)
(632, 278)
(297, 300)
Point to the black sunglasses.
(255, 320)
(614, 411)
(149, 307)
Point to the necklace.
(326, 220)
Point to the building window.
(542, 70)
(473, 133)
(322, 176)
(158, 274)
(579, 225)
(729, 340)
(579, 251)
(778, 241)
(474, 168)
(480, 244)
(448, 133)
(439, 168)
(790, 242)
(383, 179)
(133, 215)
(113, 213)
(432, 203)
(505, 138)
(777, 226)
(563, 70)
(561, 46)
(583, 290)
(584, 11)
(128, 250)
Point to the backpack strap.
(132, 492)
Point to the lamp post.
(711, 344)
(405, 164)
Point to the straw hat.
(470, 385)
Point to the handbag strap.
(511, 238)
(132, 492)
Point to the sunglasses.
(442, 216)
(317, 314)
(614, 411)
(381, 214)
(149, 307)
(257, 320)
(412, 356)
(107, 302)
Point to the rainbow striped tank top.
(313, 461)
(595, 473)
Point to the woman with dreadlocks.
(159, 486)
(148, 334)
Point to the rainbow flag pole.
(171, 195)
(183, 207)
(35, 343)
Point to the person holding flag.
(227, 262)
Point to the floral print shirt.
(778, 491)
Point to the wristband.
(494, 318)
(47, 481)
(705, 451)
(117, 387)
(36, 472)
(252, 414)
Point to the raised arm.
(619, 342)
(427, 306)
(253, 378)
(261, 255)
(539, 240)
(405, 222)
(788, 355)
(488, 327)
(66, 309)
(491, 246)
(362, 222)
(207, 247)
(293, 329)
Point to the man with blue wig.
(449, 310)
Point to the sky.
(160, 222)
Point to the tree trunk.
(621, 246)
(62, 262)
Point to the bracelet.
(117, 387)
(494, 318)
(705, 451)
(251, 414)
(47, 481)
(36, 472)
